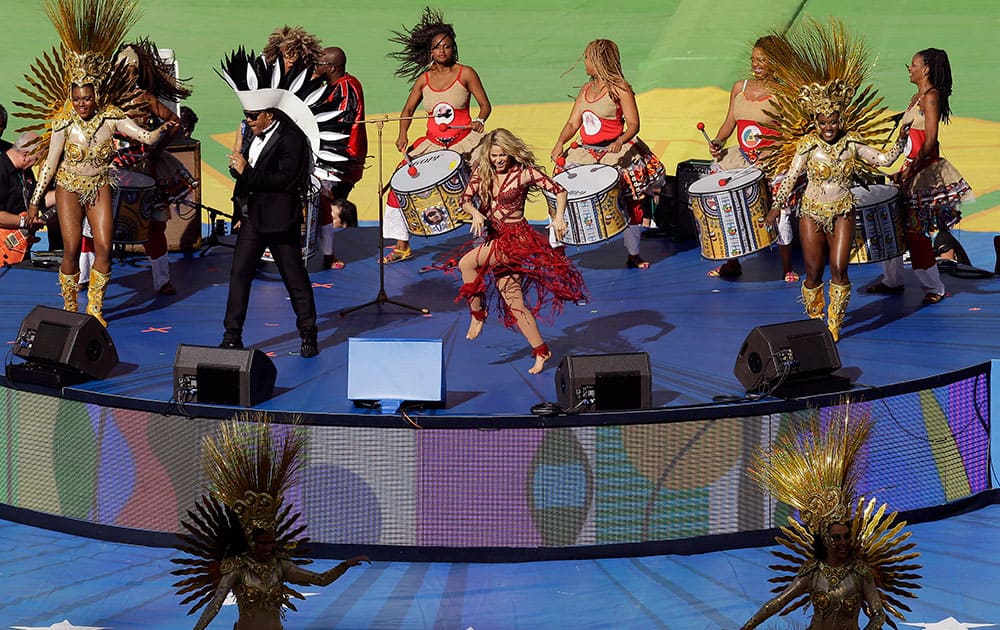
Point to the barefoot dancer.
(515, 262)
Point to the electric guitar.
(16, 243)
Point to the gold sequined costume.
(816, 469)
(819, 71)
(242, 536)
(79, 152)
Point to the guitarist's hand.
(34, 221)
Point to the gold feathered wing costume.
(90, 32)
(819, 70)
(250, 468)
(816, 471)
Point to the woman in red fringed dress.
(514, 264)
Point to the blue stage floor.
(49, 577)
(691, 326)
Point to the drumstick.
(446, 126)
(701, 128)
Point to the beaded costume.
(91, 32)
(815, 469)
(547, 277)
(820, 72)
(250, 465)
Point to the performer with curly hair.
(824, 121)
(294, 44)
(747, 117)
(847, 556)
(241, 536)
(607, 117)
(94, 99)
(932, 189)
(514, 263)
(429, 58)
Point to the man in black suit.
(273, 173)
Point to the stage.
(691, 326)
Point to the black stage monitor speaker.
(73, 345)
(612, 381)
(804, 349)
(223, 376)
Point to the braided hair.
(939, 73)
(607, 66)
(415, 55)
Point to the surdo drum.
(594, 209)
(730, 208)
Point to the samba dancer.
(607, 117)
(824, 119)
(844, 555)
(515, 264)
(97, 101)
(243, 537)
(932, 189)
(747, 116)
(429, 58)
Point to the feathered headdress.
(817, 71)
(816, 470)
(90, 32)
(250, 468)
(261, 85)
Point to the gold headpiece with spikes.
(816, 469)
(250, 465)
(91, 32)
(819, 71)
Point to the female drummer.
(429, 58)
(515, 263)
(607, 117)
(834, 117)
(747, 102)
(932, 189)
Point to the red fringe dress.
(548, 278)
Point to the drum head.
(874, 195)
(726, 180)
(432, 168)
(582, 182)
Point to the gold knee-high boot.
(814, 301)
(840, 295)
(95, 294)
(67, 286)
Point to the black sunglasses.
(252, 115)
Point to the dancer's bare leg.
(510, 290)
(469, 266)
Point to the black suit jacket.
(275, 187)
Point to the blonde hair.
(511, 145)
(606, 63)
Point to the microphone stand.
(381, 297)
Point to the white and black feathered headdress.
(261, 85)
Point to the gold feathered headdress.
(250, 465)
(818, 71)
(816, 469)
(90, 32)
